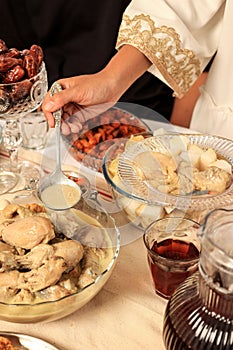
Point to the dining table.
(127, 313)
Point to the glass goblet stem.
(12, 140)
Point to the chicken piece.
(43, 277)
(52, 293)
(6, 248)
(212, 179)
(75, 273)
(10, 210)
(69, 284)
(13, 210)
(7, 257)
(36, 257)
(35, 208)
(6, 215)
(28, 232)
(7, 294)
(8, 261)
(90, 266)
(4, 223)
(22, 297)
(71, 251)
(70, 280)
(36, 279)
(9, 279)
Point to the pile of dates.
(19, 66)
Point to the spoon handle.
(58, 148)
(56, 87)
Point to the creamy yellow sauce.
(61, 196)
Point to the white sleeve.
(178, 37)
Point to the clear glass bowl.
(91, 214)
(140, 202)
(17, 100)
(23, 97)
(112, 124)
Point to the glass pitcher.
(199, 315)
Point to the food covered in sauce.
(38, 263)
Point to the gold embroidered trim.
(162, 46)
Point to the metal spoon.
(57, 191)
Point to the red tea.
(181, 261)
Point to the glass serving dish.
(100, 132)
(17, 99)
(140, 201)
(88, 223)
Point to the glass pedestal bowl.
(16, 101)
(87, 223)
(142, 203)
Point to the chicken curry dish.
(37, 263)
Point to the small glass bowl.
(112, 124)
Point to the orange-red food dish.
(100, 132)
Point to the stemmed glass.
(16, 101)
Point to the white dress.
(213, 112)
(180, 38)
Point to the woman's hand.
(86, 96)
(82, 98)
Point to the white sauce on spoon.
(60, 196)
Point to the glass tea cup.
(173, 250)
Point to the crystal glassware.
(16, 101)
(173, 250)
(199, 315)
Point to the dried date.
(30, 65)
(30, 60)
(25, 52)
(13, 53)
(37, 52)
(18, 67)
(14, 75)
(7, 63)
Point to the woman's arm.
(183, 107)
(104, 87)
